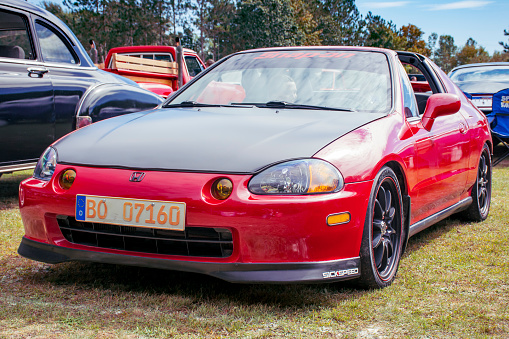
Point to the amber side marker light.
(222, 188)
(67, 179)
(338, 219)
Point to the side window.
(193, 65)
(408, 94)
(53, 48)
(14, 37)
(163, 57)
(419, 82)
(158, 56)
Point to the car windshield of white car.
(485, 79)
(302, 79)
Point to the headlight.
(46, 165)
(307, 176)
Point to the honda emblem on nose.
(137, 176)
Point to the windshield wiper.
(190, 103)
(284, 104)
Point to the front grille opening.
(110, 241)
(84, 238)
(174, 247)
(193, 242)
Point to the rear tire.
(481, 191)
(382, 239)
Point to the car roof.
(25, 6)
(147, 48)
(327, 48)
(28, 7)
(481, 64)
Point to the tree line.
(216, 28)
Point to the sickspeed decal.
(340, 273)
(505, 102)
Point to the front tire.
(481, 191)
(382, 239)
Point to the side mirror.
(439, 105)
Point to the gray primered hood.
(233, 140)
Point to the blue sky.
(484, 21)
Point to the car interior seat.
(12, 52)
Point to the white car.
(481, 81)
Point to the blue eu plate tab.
(81, 201)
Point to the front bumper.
(261, 238)
(302, 272)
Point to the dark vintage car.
(275, 165)
(49, 85)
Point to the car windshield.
(345, 80)
(482, 79)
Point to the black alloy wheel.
(385, 237)
(481, 191)
(484, 185)
(382, 238)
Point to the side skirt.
(433, 219)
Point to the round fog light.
(222, 188)
(67, 178)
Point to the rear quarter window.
(53, 47)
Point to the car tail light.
(83, 121)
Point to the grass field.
(453, 282)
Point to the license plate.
(485, 101)
(131, 212)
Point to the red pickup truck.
(153, 67)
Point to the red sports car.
(303, 164)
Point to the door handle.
(38, 71)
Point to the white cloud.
(459, 5)
(385, 4)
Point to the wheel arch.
(489, 142)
